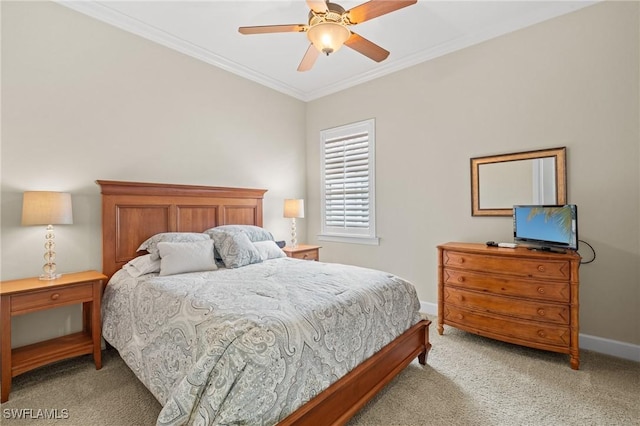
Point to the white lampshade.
(46, 208)
(328, 37)
(294, 208)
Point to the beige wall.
(82, 100)
(571, 81)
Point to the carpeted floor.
(469, 380)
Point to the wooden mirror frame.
(560, 175)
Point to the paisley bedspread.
(251, 345)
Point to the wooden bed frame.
(133, 212)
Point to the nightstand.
(303, 251)
(31, 295)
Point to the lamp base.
(49, 277)
(294, 239)
(49, 268)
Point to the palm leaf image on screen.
(560, 216)
(546, 226)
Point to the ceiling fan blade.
(374, 8)
(366, 47)
(318, 6)
(309, 58)
(290, 28)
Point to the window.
(348, 191)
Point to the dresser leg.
(6, 388)
(575, 362)
(96, 324)
(92, 326)
(6, 379)
(5, 348)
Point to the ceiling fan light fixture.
(328, 37)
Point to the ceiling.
(208, 31)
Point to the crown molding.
(149, 32)
(107, 15)
(451, 46)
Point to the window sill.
(372, 241)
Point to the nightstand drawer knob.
(461, 298)
(306, 256)
(541, 312)
(461, 279)
(541, 333)
(541, 268)
(540, 290)
(460, 316)
(55, 296)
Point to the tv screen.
(546, 226)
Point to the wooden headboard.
(133, 212)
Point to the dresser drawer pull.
(461, 298)
(461, 260)
(460, 316)
(306, 256)
(541, 333)
(461, 279)
(541, 312)
(541, 268)
(55, 296)
(540, 290)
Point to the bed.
(133, 212)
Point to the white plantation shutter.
(348, 183)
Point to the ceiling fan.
(328, 30)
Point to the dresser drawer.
(520, 266)
(54, 297)
(512, 330)
(524, 309)
(508, 286)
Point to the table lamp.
(293, 208)
(47, 208)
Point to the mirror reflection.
(502, 181)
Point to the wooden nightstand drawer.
(306, 255)
(304, 252)
(24, 303)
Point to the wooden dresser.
(516, 295)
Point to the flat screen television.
(553, 228)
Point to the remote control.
(508, 245)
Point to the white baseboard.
(610, 347)
(591, 343)
(429, 308)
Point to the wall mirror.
(499, 182)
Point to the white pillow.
(151, 244)
(178, 258)
(142, 265)
(268, 250)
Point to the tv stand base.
(549, 249)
